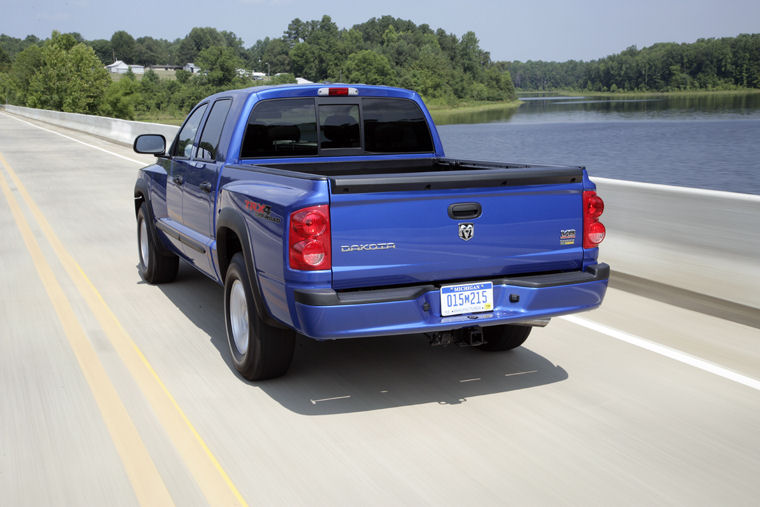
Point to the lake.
(707, 141)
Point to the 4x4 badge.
(466, 231)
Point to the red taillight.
(593, 230)
(337, 92)
(309, 243)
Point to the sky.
(555, 30)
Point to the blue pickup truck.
(332, 211)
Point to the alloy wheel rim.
(239, 317)
(144, 246)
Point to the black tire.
(259, 351)
(504, 337)
(159, 265)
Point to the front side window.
(281, 127)
(212, 131)
(186, 136)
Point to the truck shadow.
(345, 376)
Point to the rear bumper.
(327, 314)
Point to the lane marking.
(77, 140)
(143, 475)
(663, 350)
(212, 479)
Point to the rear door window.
(212, 131)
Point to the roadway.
(121, 393)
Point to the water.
(704, 142)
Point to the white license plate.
(466, 298)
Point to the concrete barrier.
(121, 131)
(700, 240)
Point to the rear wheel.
(259, 351)
(156, 264)
(504, 337)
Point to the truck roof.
(311, 90)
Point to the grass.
(164, 118)
(446, 114)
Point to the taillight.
(593, 230)
(337, 92)
(309, 243)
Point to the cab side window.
(212, 131)
(184, 145)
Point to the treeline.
(707, 64)
(66, 72)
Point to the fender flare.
(231, 219)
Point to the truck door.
(181, 153)
(199, 185)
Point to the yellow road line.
(216, 485)
(146, 481)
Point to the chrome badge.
(466, 231)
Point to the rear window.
(282, 127)
(308, 127)
(395, 126)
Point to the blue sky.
(540, 30)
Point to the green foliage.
(281, 79)
(122, 98)
(707, 64)
(123, 46)
(220, 64)
(64, 76)
(369, 67)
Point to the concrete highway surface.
(116, 392)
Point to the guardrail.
(121, 131)
(700, 240)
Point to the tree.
(103, 50)
(68, 77)
(220, 64)
(196, 41)
(370, 68)
(123, 46)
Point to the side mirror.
(152, 144)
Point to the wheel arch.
(232, 237)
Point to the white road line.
(675, 354)
(77, 140)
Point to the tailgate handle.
(465, 210)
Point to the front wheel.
(259, 351)
(156, 264)
(504, 337)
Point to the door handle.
(205, 186)
(179, 180)
(465, 210)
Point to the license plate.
(466, 298)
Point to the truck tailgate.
(449, 226)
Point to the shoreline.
(633, 94)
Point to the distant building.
(258, 75)
(192, 68)
(119, 67)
